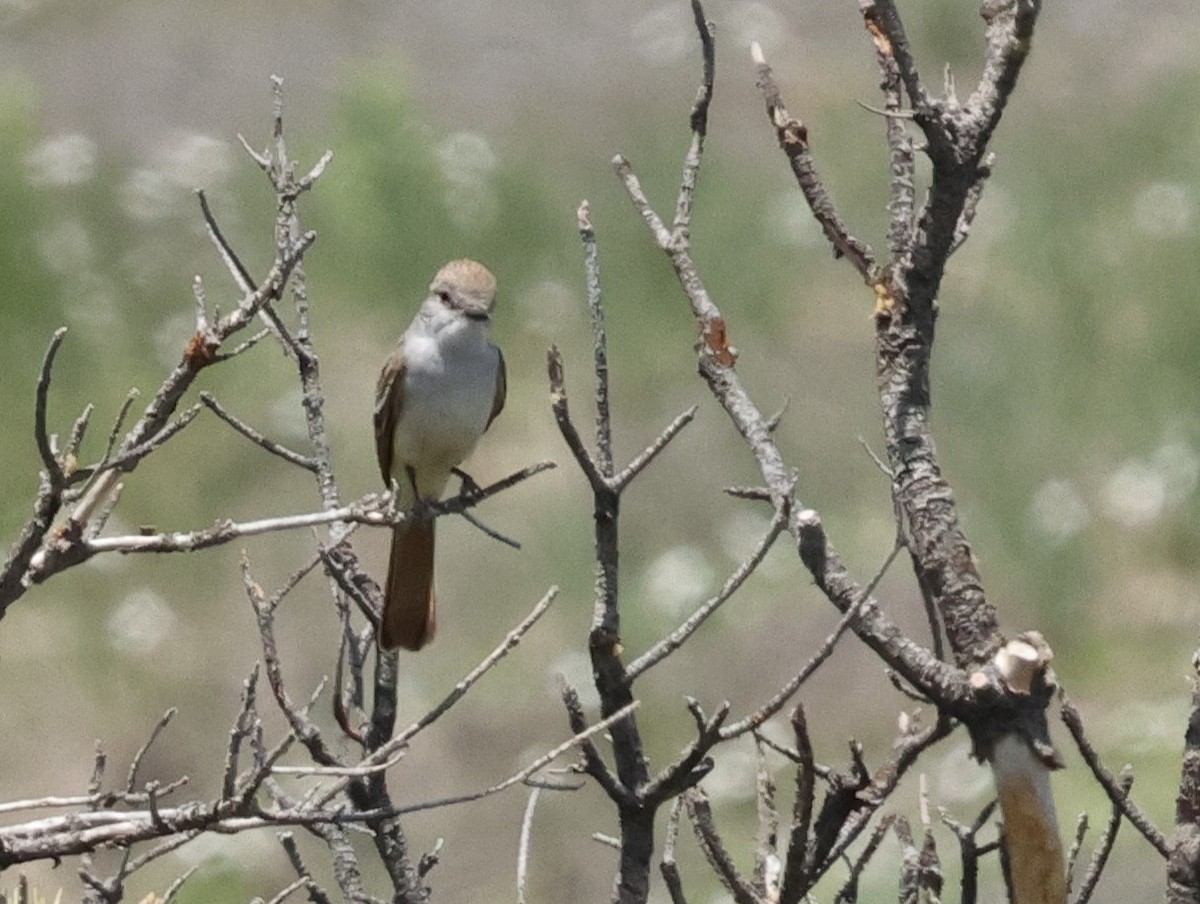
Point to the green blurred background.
(1065, 383)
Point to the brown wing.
(501, 390)
(389, 396)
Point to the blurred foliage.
(1064, 381)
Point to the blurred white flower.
(208, 849)
(679, 579)
(94, 301)
(1057, 511)
(574, 667)
(733, 779)
(66, 247)
(468, 162)
(197, 161)
(187, 162)
(1142, 727)
(472, 206)
(754, 21)
(466, 155)
(741, 533)
(548, 307)
(1134, 495)
(141, 622)
(955, 777)
(664, 35)
(149, 194)
(287, 415)
(171, 337)
(1139, 492)
(789, 221)
(1165, 209)
(1179, 467)
(20, 7)
(69, 159)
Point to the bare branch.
(767, 868)
(49, 459)
(524, 845)
(593, 763)
(883, 21)
(302, 726)
(643, 459)
(528, 771)
(1107, 838)
(681, 228)
(668, 867)
(679, 636)
(970, 850)
(136, 763)
(714, 849)
(903, 168)
(241, 276)
(256, 437)
(1073, 721)
(849, 891)
(241, 729)
(777, 702)
(559, 404)
(395, 745)
(793, 139)
(799, 858)
(510, 642)
(591, 261)
(316, 894)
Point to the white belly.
(449, 390)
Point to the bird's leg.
(470, 490)
(421, 508)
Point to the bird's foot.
(470, 490)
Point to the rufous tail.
(409, 617)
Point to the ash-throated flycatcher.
(438, 392)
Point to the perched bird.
(439, 390)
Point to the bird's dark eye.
(444, 296)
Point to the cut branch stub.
(1014, 739)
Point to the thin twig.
(591, 262)
(643, 459)
(241, 276)
(136, 764)
(668, 867)
(396, 744)
(256, 437)
(1107, 839)
(849, 890)
(792, 135)
(776, 703)
(1081, 827)
(679, 636)
(519, 777)
(524, 846)
(1111, 785)
(49, 461)
(714, 849)
(115, 434)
